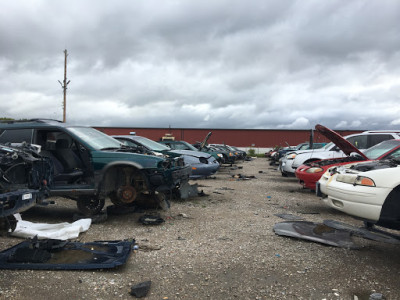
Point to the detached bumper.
(17, 201)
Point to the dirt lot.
(220, 246)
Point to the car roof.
(34, 123)
(382, 131)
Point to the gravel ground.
(220, 246)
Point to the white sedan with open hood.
(369, 191)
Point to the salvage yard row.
(219, 246)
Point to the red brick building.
(259, 138)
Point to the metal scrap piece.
(50, 254)
(315, 232)
(363, 232)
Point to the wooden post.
(64, 87)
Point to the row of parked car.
(357, 174)
(41, 158)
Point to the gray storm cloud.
(225, 64)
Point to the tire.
(7, 225)
(90, 205)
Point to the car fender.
(100, 176)
(386, 178)
(121, 162)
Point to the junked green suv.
(90, 165)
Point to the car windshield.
(378, 150)
(190, 146)
(302, 147)
(94, 138)
(152, 145)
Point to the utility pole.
(64, 87)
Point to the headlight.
(355, 180)
(220, 155)
(346, 178)
(361, 180)
(291, 156)
(165, 164)
(203, 160)
(315, 170)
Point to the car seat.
(67, 156)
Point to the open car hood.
(204, 143)
(338, 140)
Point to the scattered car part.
(151, 220)
(188, 190)
(315, 232)
(380, 236)
(52, 254)
(60, 231)
(141, 290)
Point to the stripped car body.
(23, 181)
(90, 165)
(182, 145)
(201, 163)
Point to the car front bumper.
(285, 166)
(359, 201)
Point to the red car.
(309, 173)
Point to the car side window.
(128, 143)
(377, 138)
(180, 146)
(16, 136)
(172, 146)
(359, 141)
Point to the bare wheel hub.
(127, 194)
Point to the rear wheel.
(90, 205)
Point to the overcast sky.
(203, 64)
